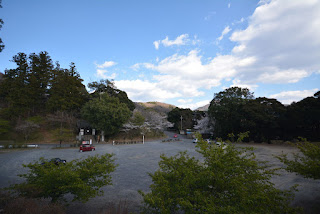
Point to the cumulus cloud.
(101, 71)
(287, 97)
(180, 40)
(283, 37)
(141, 91)
(280, 45)
(106, 64)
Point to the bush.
(229, 180)
(82, 178)
(307, 165)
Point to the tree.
(229, 180)
(14, 88)
(4, 126)
(106, 113)
(67, 93)
(1, 23)
(174, 116)
(40, 71)
(82, 178)
(225, 110)
(137, 119)
(107, 86)
(262, 117)
(307, 164)
(26, 128)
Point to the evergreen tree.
(66, 93)
(15, 87)
(41, 68)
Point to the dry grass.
(20, 205)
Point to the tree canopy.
(230, 180)
(35, 86)
(108, 87)
(106, 113)
(174, 116)
(225, 108)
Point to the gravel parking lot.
(136, 160)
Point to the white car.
(195, 140)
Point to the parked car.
(221, 144)
(175, 135)
(195, 140)
(84, 148)
(56, 161)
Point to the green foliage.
(262, 117)
(230, 180)
(303, 119)
(174, 116)
(63, 134)
(307, 164)
(225, 109)
(35, 84)
(82, 178)
(108, 87)
(242, 136)
(106, 113)
(67, 93)
(231, 136)
(4, 126)
(137, 119)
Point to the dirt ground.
(136, 160)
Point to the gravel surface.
(135, 161)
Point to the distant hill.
(158, 106)
(155, 114)
(203, 108)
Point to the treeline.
(235, 110)
(39, 87)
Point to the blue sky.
(179, 51)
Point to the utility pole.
(181, 122)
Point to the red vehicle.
(175, 135)
(84, 148)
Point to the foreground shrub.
(82, 178)
(230, 180)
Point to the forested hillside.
(39, 97)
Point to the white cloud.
(106, 64)
(101, 72)
(281, 45)
(194, 106)
(224, 32)
(287, 97)
(156, 44)
(283, 38)
(141, 91)
(184, 101)
(229, 5)
(180, 40)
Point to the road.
(135, 161)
